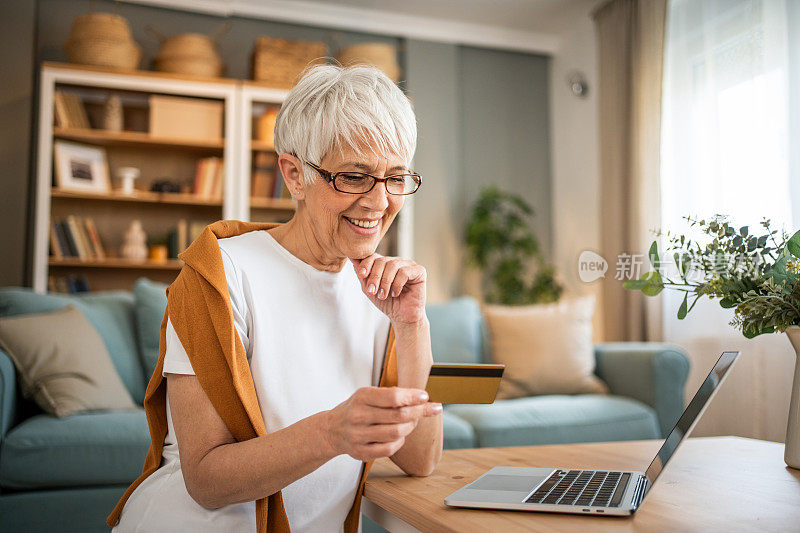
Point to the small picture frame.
(80, 167)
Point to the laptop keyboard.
(592, 488)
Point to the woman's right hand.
(375, 421)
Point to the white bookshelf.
(238, 97)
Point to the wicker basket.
(383, 56)
(189, 53)
(104, 40)
(279, 62)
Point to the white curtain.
(730, 145)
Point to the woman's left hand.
(395, 285)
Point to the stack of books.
(68, 284)
(76, 237)
(209, 177)
(267, 180)
(69, 111)
(183, 235)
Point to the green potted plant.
(757, 275)
(501, 243)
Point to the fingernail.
(394, 294)
(371, 288)
(363, 271)
(381, 294)
(423, 396)
(437, 408)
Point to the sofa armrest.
(653, 373)
(8, 394)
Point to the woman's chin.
(362, 251)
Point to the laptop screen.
(690, 415)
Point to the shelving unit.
(117, 262)
(133, 138)
(251, 96)
(139, 196)
(158, 157)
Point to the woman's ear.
(292, 171)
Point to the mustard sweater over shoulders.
(199, 308)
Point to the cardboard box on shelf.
(190, 118)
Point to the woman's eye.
(353, 178)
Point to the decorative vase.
(135, 244)
(113, 114)
(127, 175)
(791, 454)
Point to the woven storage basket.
(383, 56)
(279, 62)
(104, 40)
(189, 53)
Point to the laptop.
(578, 491)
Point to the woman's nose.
(378, 197)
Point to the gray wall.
(16, 114)
(432, 75)
(506, 131)
(483, 119)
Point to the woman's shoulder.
(244, 247)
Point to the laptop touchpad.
(499, 482)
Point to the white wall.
(575, 155)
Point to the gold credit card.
(463, 383)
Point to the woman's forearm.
(423, 447)
(255, 468)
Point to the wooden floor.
(711, 484)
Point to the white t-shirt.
(312, 338)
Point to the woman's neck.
(298, 237)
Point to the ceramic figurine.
(135, 246)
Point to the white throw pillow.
(547, 348)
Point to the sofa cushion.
(63, 363)
(79, 450)
(458, 433)
(456, 331)
(559, 419)
(151, 302)
(547, 348)
(110, 312)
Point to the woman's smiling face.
(352, 225)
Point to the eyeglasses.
(362, 183)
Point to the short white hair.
(334, 107)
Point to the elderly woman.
(276, 337)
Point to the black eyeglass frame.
(330, 177)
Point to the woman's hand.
(395, 285)
(375, 421)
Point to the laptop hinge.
(639, 492)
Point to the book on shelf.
(94, 238)
(69, 284)
(69, 111)
(55, 244)
(178, 239)
(76, 237)
(79, 236)
(263, 184)
(182, 235)
(209, 177)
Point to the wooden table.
(711, 484)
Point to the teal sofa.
(67, 474)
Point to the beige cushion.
(63, 363)
(547, 348)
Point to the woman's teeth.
(363, 223)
